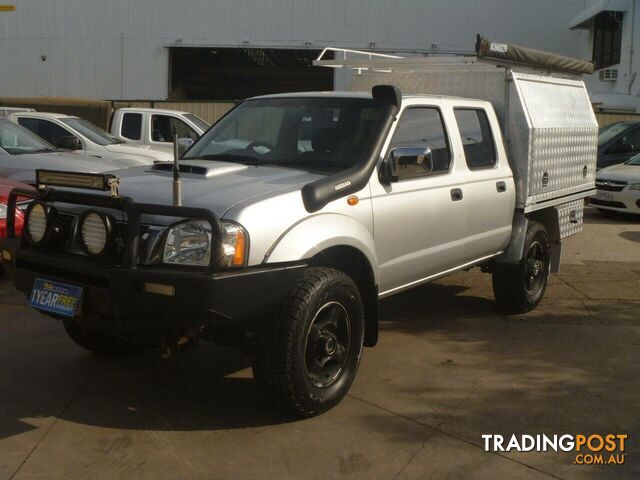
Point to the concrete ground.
(448, 369)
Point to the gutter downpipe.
(631, 75)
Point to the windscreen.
(17, 140)
(91, 131)
(634, 161)
(201, 124)
(330, 133)
(607, 133)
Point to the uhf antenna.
(177, 183)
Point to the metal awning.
(583, 19)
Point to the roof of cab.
(348, 94)
(152, 110)
(42, 115)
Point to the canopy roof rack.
(488, 54)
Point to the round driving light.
(95, 233)
(37, 223)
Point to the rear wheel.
(518, 288)
(309, 356)
(97, 342)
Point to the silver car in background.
(22, 152)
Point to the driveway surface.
(449, 368)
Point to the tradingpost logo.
(595, 449)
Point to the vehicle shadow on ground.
(592, 216)
(191, 392)
(43, 374)
(631, 236)
(483, 371)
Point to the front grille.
(610, 185)
(604, 203)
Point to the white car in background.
(82, 137)
(618, 188)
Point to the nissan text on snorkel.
(280, 229)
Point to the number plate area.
(54, 297)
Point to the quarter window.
(422, 127)
(477, 138)
(131, 126)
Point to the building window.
(607, 39)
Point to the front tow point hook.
(174, 343)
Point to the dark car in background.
(617, 143)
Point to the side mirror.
(413, 160)
(184, 144)
(69, 143)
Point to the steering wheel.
(259, 143)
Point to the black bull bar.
(131, 209)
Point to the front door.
(420, 217)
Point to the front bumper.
(114, 298)
(626, 200)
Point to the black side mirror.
(414, 161)
(69, 143)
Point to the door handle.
(501, 187)
(456, 194)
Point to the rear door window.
(477, 138)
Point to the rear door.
(420, 219)
(489, 188)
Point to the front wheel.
(308, 357)
(519, 288)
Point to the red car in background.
(5, 188)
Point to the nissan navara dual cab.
(299, 212)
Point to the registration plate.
(605, 196)
(55, 297)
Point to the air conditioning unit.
(608, 74)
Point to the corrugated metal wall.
(117, 48)
(208, 111)
(607, 118)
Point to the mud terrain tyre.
(308, 356)
(518, 288)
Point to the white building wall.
(628, 82)
(115, 49)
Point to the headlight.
(634, 186)
(37, 224)
(189, 243)
(95, 232)
(3, 211)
